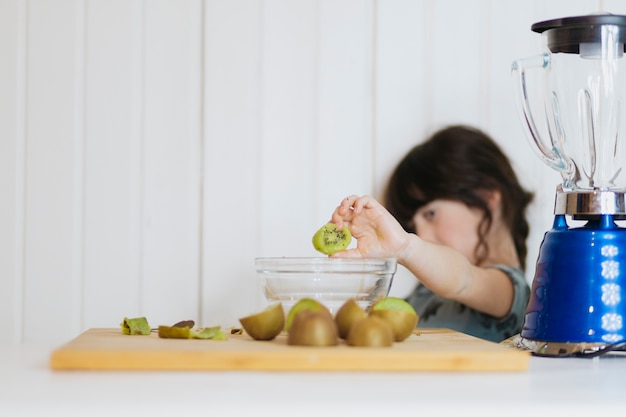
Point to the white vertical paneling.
(52, 285)
(612, 6)
(455, 70)
(344, 155)
(232, 213)
(112, 164)
(12, 36)
(505, 124)
(171, 160)
(402, 57)
(401, 93)
(150, 150)
(289, 106)
(553, 10)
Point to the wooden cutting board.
(427, 350)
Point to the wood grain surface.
(426, 350)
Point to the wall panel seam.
(79, 162)
(20, 200)
(201, 162)
(373, 108)
(259, 135)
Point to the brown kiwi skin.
(370, 332)
(402, 323)
(265, 325)
(313, 328)
(305, 304)
(347, 315)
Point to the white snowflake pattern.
(609, 251)
(611, 294)
(611, 322)
(612, 338)
(610, 269)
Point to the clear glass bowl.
(331, 281)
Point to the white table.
(29, 388)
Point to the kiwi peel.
(347, 315)
(313, 328)
(370, 331)
(305, 304)
(329, 240)
(265, 325)
(398, 313)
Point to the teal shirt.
(435, 311)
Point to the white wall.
(150, 150)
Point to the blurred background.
(150, 150)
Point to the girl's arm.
(443, 270)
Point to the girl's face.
(449, 223)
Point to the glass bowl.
(331, 281)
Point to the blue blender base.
(578, 293)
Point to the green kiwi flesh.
(328, 240)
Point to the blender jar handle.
(549, 154)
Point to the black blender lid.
(567, 33)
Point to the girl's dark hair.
(460, 163)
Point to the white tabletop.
(29, 388)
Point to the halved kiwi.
(347, 315)
(313, 328)
(305, 304)
(329, 240)
(400, 315)
(265, 325)
(370, 331)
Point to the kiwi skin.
(305, 304)
(265, 325)
(400, 315)
(402, 323)
(347, 315)
(370, 331)
(313, 328)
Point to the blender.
(574, 122)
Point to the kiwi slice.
(347, 315)
(134, 326)
(329, 240)
(305, 304)
(370, 331)
(265, 325)
(170, 332)
(313, 328)
(400, 315)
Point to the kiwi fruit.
(370, 331)
(329, 240)
(170, 332)
(305, 304)
(265, 325)
(313, 328)
(347, 315)
(398, 313)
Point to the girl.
(455, 218)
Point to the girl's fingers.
(361, 202)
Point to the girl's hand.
(377, 232)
